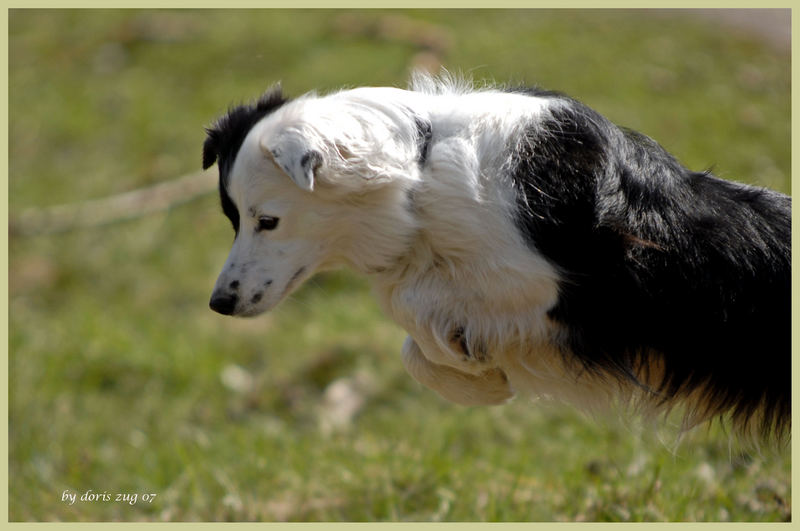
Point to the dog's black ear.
(295, 157)
(225, 137)
(210, 149)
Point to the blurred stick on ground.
(136, 203)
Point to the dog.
(524, 242)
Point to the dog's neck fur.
(369, 251)
(435, 225)
(498, 292)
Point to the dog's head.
(297, 196)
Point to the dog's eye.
(267, 223)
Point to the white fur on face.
(264, 265)
(336, 171)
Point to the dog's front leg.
(488, 387)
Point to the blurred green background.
(122, 381)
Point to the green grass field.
(121, 381)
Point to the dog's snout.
(223, 303)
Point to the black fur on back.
(225, 138)
(661, 265)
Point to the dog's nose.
(223, 303)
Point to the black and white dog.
(525, 243)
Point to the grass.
(122, 381)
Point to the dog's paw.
(474, 351)
(487, 388)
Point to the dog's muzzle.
(224, 303)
